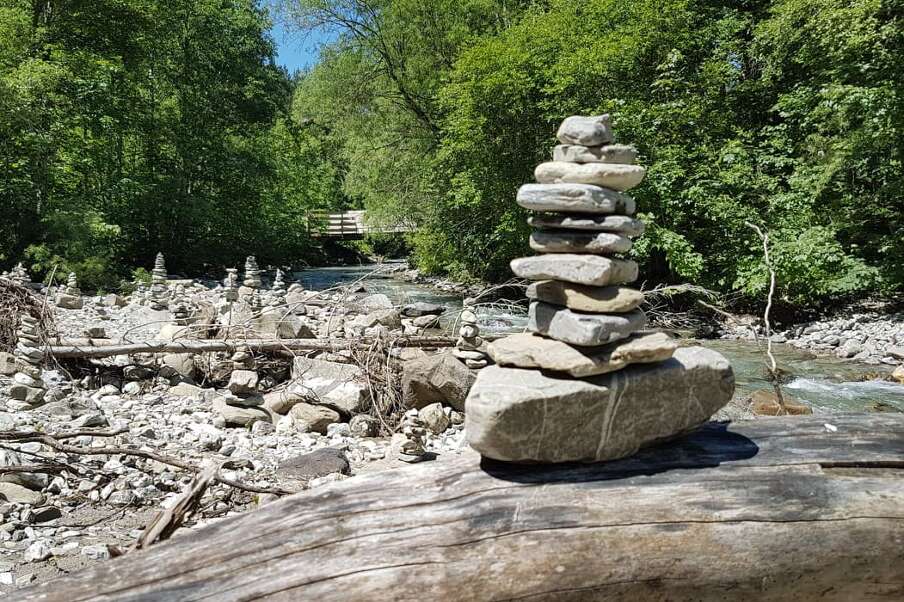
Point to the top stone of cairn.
(585, 131)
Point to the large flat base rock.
(518, 415)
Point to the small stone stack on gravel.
(158, 295)
(470, 347)
(252, 274)
(28, 385)
(71, 295)
(562, 392)
(19, 275)
(278, 291)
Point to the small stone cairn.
(413, 448)
(28, 387)
(19, 275)
(231, 285)
(180, 307)
(71, 296)
(158, 294)
(586, 383)
(278, 291)
(252, 274)
(470, 347)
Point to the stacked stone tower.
(231, 285)
(567, 391)
(158, 294)
(278, 291)
(71, 295)
(19, 275)
(28, 385)
(470, 347)
(252, 273)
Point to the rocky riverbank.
(868, 337)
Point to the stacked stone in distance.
(586, 323)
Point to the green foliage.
(129, 127)
(788, 113)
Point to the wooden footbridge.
(350, 225)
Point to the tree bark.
(773, 509)
(87, 349)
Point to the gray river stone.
(587, 330)
(518, 415)
(591, 270)
(571, 198)
(558, 241)
(592, 299)
(608, 175)
(610, 153)
(583, 130)
(534, 351)
(624, 225)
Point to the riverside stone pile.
(71, 296)
(28, 386)
(586, 384)
(470, 347)
(158, 294)
(252, 274)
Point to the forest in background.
(132, 126)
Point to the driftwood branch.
(168, 520)
(775, 509)
(98, 349)
(53, 442)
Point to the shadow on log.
(777, 509)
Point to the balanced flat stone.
(592, 299)
(594, 130)
(608, 175)
(624, 225)
(571, 198)
(591, 270)
(560, 241)
(587, 330)
(534, 351)
(610, 153)
(518, 415)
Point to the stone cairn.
(71, 296)
(28, 387)
(72, 286)
(180, 306)
(140, 294)
(585, 384)
(158, 294)
(252, 274)
(413, 447)
(470, 347)
(278, 291)
(231, 285)
(19, 275)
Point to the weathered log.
(775, 509)
(63, 350)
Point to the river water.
(825, 383)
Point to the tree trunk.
(773, 509)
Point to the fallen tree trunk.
(102, 349)
(775, 509)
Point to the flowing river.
(825, 383)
